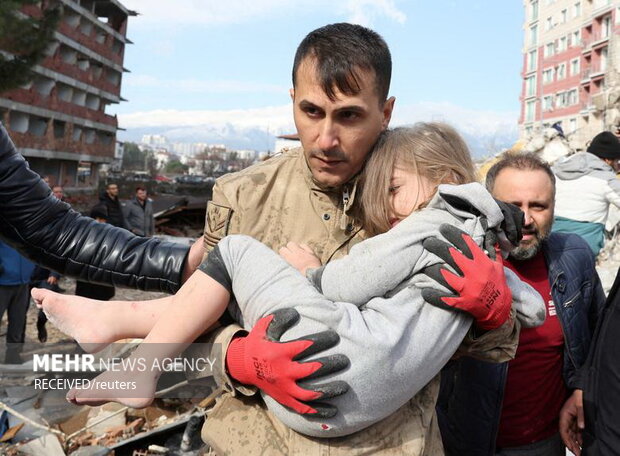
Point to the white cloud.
(364, 12)
(272, 118)
(470, 121)
(201, 85)
(280, 118)
(202, 12)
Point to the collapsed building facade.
(58, 121)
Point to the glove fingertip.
(322, 410)
(329, 365)
(283, 319)
(319, 342)
(436, 298)
(457, 237)
(331, 389)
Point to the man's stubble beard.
(527, 253)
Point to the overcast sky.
(200, 61)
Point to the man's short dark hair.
(529, 162)
(340, 50)
(140, 187)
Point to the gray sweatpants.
(379, 335)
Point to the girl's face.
(408, 191)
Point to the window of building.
(77, 133)
(532, 60)
(604, 53)
(549, 49)
(534, 10)
(563, 16)
(576, 38)
(572, 97)
(572, 125)
(618, 15)
(560, 71)
(530, 110)
(561, 99)
(548, 103)
(59, 129)
(549, 23)
(548, 76)
(562, 44)
(577, 9)
(574, 67)
(533, 35)
(530, 86)
(529, 130)
(606, 27)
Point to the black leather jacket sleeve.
(50, 233)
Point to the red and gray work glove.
(479, 286)
(277, 368)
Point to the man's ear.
(388, 108)
(291, 92)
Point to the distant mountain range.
(486, 133)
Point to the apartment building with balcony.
(571, 65)
(58, 121)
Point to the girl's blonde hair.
(433, 150)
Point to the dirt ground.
(54, 335)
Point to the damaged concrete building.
(58, 121)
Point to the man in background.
(139, 213)
(513, 408)
(58, 192)
(113, 207)
(586, 185)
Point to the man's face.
(57, 192)
(337, 135)
(532, 192)
(112, 190)
(141, 195)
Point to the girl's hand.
(300, 256)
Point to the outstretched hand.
(260, 359)
(479, 285)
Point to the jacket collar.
(345, 192)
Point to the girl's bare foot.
(91, 323)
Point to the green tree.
(133, 157)
(25, 39)
(176, 167)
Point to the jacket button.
(349, 227)
(326, 217)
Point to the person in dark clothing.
(590, 419)
(114, 209)
(44, 278)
